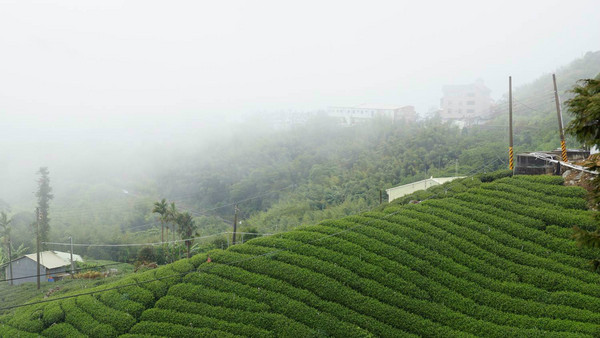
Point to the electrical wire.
(153, 243)
(200, 270)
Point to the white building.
(469, 103)
(406, 189)
(355, 114)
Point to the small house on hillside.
(406, 189)
(53, 265)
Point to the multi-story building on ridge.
(355, 114)
(468, 104)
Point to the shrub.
(62, 330)
(174, 330)
(120, 321)
(489, 177)
(53, 313)
(200, 321)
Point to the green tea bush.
(198, 293)
(28, 318)
(8, 331)
(436, 263)
(121, 302)
(84, 322)
(62, 330)
(334, 291)
(547, 189)
(496, 175)
(327, 318)
(541, 179)
(175, 330)
(563, 202)
(274, 322)
(200, 321)
(120, 321)
(457, 320)
(53, 313)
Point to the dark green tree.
(585, 126)
(44, 195)
(585, 108)
(186, 229)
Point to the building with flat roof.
(405, 189)
(355, 114)
(470, 103)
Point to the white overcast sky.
(213, 57)
(103, 87)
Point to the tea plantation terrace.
(475, 259)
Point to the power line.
(152, 243)
(200, 270)
(207, 268)
(134, 244)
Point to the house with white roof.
(406, 189)
(53, 265)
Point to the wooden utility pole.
(10, 261)
(37, 226)
(510, 124)
(563, 146)
(235, 217)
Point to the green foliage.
(276, 323)
(495, 259)
(44, 195)
(585, 107)
(200, 321)
(175, 330)
(61, 330)
(8, 331)
(489, 177)
(84, 322)
(146, 254)
(53, 314)
(120, 321)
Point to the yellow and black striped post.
(510, 158)
(563, 146)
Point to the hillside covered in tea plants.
(488, 259)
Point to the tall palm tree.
(161, 209)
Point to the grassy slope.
(495, 260)
(26, 292)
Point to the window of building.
(470, 103)
(470, 111)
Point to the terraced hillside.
(494, 260)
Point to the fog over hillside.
(111, 92)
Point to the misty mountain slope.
(495, 260)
